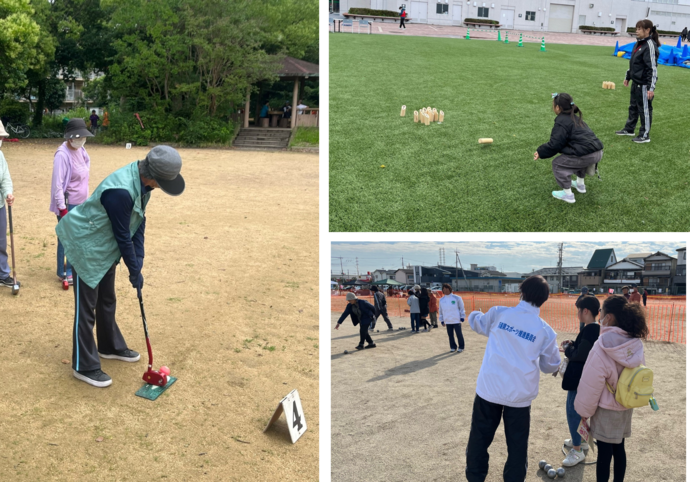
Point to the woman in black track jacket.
(643, 73)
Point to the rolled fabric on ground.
(486, 140)
(435, 115)
(403, 111)
(440, 116)
(416, 116)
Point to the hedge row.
(602, 29)
(660, 32)
(372, 12)
(481, 20)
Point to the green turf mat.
(152, 392)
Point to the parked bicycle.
(18, 130)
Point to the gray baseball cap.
(164, 164)
(350, 296)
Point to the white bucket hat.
(3, 132)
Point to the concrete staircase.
(262, 139)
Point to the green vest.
(86, 232)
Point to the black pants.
(364, 333)
(640, 107)
(382, 312)
(402, 22)
(485, 419)
(94, 305)
(455, 329)
(606, 452)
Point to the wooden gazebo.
(291, 69)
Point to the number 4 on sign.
(296, 422)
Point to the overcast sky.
(520, 257)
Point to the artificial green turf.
(438, 178)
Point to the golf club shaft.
(146, 329)
(14, 271)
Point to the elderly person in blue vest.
(6, 198)
(108, 226)
(362, 313)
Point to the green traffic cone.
(543, 45)
(468, 34)
(506, 37)
(499, 35)
(520, 42)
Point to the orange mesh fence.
(665, 318)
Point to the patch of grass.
(306, 137)
(291, 284)
(438, 178)
(269, 348)
(175, 300)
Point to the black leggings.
(402, 23)
(606, 452)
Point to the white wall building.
(539, 15)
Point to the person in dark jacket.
(380, 308)
(684, 34)
(403, 14)
(643, 73)
(585, 292)
(424, 308)
(644, 297)
(362, 313)
(576, 352)
(577, 144)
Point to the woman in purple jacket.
(70, 185)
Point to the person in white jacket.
(520, 345)
(451, 312)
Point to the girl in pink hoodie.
(623, 326)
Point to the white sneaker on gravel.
(574, 457)
(569, 443)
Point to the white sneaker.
(574, 457)
(580, 187)
(569, 198)
(569, 443)
(459, 350)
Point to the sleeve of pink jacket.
(592, 384)
(58, 186)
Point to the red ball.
(165, 371)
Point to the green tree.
(19, 39)
(55, 93)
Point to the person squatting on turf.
(6, 197)
(451, 312)
(413, 303)
(433, 309)
(520, 344)
(424, 308)
(623, 326)
(577, 144)
(380, 307)
(361, 312)
(576, 353)
(643, 73)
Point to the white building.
(539, 15)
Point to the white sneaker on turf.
(569, 198)
(574, 457)
(579, 187)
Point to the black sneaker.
(641, 140)
(624, 133)
(9, 282)
(359, 347)
(124, 355)
(93, 377)
(371, 345)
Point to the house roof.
(638, 255)
(489, 272)
(565, 271)
(615, 266)
(404, 270)
(659, 253)
(680, 249)
(484, 278)
(292, 67)
(599, 259)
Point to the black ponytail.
(565, 102)
(646, 23)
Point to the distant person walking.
(626, 293)
(424, 309)
(94, 122)
(361, 312)
(413, 303)
(380, 308)
(106, 121)
(403, 15)
(433, 310)
(644, 296)
(451, 313)
(684, 34)
(635, 296)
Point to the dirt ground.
(231, 300)
(402, 411)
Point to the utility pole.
(560, 267)
(457, 260)
(441, 256)
(403, 262)
(341, 263)
(357, 264)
